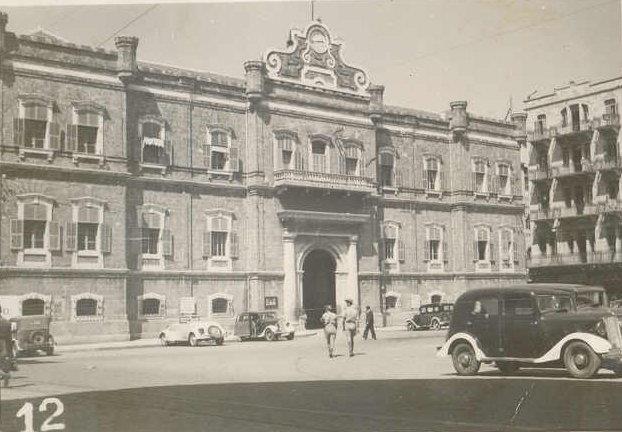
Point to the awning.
(156, 142)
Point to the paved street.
(395, 383)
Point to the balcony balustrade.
(607, 120)
(311, 179)
(571, 128)
(597, 257)
(571, 169)
(539, 134)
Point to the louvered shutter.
(167, 243)
(234, 244)
(17, 234)
(167, 157)
(106, 238)
(234, 159)
(397, 176)
(100, 307)
(475, 251)
(207, 244)
(72, 137)
(427, 252)
(493, 183)
(382, 249)
(54, 237)
(341, 160)
(19, 125)
(162, 307)
(493, 251)
(54, 136)
(207, 156)
(474, 182)
(445, 248)
(515, 252)
(401, 251)
(71, 236)
(424, 179)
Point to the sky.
(425, 53)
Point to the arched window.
(220, 305)
(150, 306)
(33, 306)
(540, 125)
(435, 299)
(86, 307)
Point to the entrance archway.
(318, 285)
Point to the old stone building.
(574, 171)
(135, 193)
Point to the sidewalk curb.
(140, 343)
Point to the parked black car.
(530, 325)
(431, 316)
(32, 333)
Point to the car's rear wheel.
(507, 367)
(192, 340)
(50, 348)
(269, 335)
(465, 362)
(410, 326)
(290, 337)
(580, 360)
(435, 324)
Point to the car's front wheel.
(290, 336)
(465, 362)
(410, 326)
(507, 367)
(192, 340)
(269, 334)
(580, 360)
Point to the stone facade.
(137, 193)
(574, 171)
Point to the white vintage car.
(193, 333)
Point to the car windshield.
(554, 303)
(591, 299)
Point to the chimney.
(519, 120)
(254, 79)
(376, 104)
(126, 60)
(458, 122)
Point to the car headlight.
(600, 329)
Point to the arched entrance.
(318, 285)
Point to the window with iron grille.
(504, 179)
(88, 129)
(432, 173)
(271, 302)
(33, 306)
(150, 240)
(434, 244)
(482, 244)
(150, 306)
(86, 307)
(611, 107)
(220, 305)
(390, 302)
(540, 125)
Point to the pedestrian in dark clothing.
(6, 350)
(369, 323)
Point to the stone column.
(290, 278)
(352, 289)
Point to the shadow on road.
(481, 404)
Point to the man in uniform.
(349, 325)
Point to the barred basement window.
(33, 307)
(86, 307)
(435, 299)
(271, 302)
(150, 306)
(390, 302)
(220, 305)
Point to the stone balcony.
(597, 257)
(319, 180)
(607, 120)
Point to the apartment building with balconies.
(574, 172)
(136, 193)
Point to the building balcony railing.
(571, 169)
(539, 134)
(598, 257)
(540, 214)
(299, 178)
(574, 211)
(609, 206)
(571, 128)
(607, 164)
(539, 172)
(607, 120)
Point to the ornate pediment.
(313, 58)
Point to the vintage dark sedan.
(535, 325)
(431, 316)
(262, 325)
